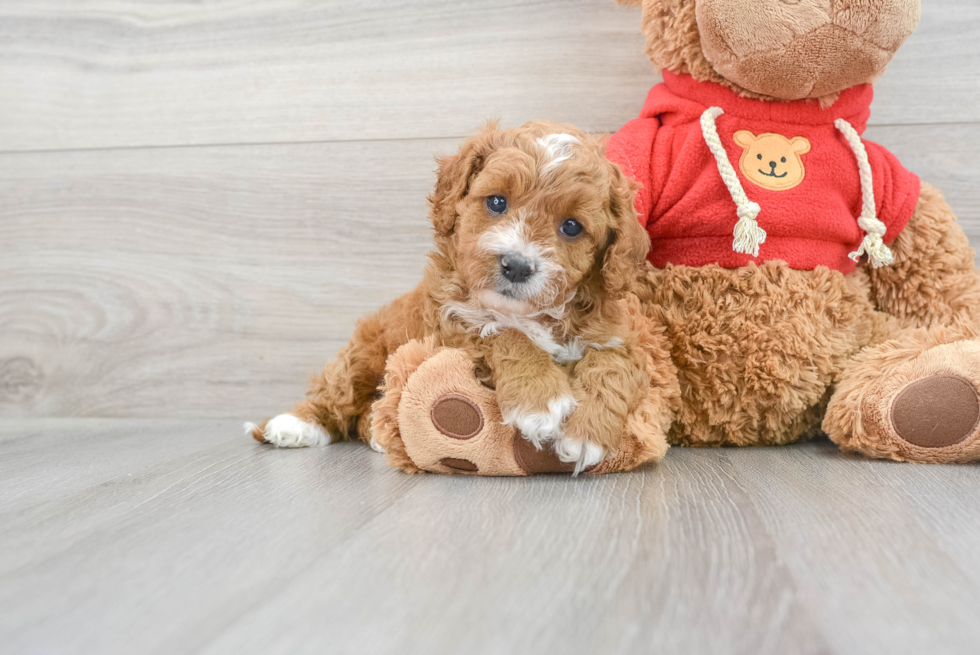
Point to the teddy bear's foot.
(939, 411)
(437, 416)
(910, 400)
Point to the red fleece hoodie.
(789, 158)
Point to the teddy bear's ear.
(455, 174)
(745, 138)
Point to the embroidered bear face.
(771, 160)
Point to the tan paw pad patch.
(450, 423)
(457, 417)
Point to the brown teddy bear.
(805, 279)
(800, 278)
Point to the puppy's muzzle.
(516, 268)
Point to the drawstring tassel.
(873, 243)
(748, 235)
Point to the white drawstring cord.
(878, 253)
(748, 235)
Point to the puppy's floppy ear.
(455, 174)
(628, 243)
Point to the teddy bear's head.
(777, 49)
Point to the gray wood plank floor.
(171, 536)
(197, 201)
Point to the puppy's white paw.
(542, 427)
(287, 431)
(376, 447)
(584, 454)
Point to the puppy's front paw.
(591, 433)
(287, 431)
(585, 454)
(540, 427)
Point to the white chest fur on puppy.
(490, 322)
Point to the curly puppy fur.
(556, 342)
(650, 422)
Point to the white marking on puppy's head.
(559, 148)
(511, 237)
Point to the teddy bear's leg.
(437, 415)
(915, 396)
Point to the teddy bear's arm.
(933, 278)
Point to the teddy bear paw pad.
(457, 417)
(544, 460)
(936, 412)
(457, 464)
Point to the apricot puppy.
(537, 245)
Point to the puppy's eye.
(497, 205)
(759, 156)
(571, 228)
(783, 160)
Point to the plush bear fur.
(767, 354)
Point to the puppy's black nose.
(772, 164)
(516, 268)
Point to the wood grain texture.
(212, 281)
(113, 544)
(164, 277)
(124, 73)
